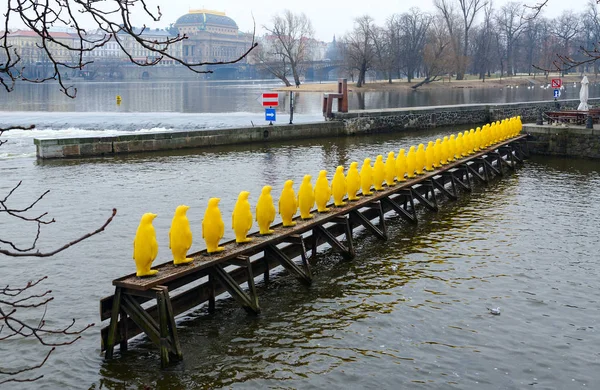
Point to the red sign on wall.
(270, 99)
(556, 83)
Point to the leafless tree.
(459, 20)
(110, 21)
(535, 33)
(290, 44)
(510, 25)
(438, 58)
(413, 27)
(359, 49)
(265, 60)
(17, 303)
(566, 27)
(384, 58)
(483, 43)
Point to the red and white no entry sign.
(270, 99)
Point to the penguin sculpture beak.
(153, 216)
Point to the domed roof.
(203, 17)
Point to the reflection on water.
(408, 310)
(413, 310)
(246, 96)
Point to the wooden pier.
(242, 263)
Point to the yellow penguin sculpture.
(241, 218)
(180, 236)
(145, 246)
(411, 162)
(401, 165)
(445, 150)
(322, 192)
(366, 177)
(471, 142)
(390, 169)
(265, 211)
(429, 157)
(437, 153)
(288, 204)
(213, 227)
(420, 159)
(378, 173)
(477, 140)
(353, 181)
(306, 198)
(339, 187)
(451, 148)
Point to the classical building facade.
(212, 37)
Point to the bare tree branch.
(112, 23)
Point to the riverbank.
(399, 85)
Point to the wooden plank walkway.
(129, 318)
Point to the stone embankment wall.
(389, 120)
(342, 124)
(563, 141)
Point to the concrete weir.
(341, 124)
(172, 140)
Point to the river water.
(410, 312)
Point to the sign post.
(270, 100)
(270, 115)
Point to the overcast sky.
(329, 17)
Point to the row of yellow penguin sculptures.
(398, 168)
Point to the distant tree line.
(460, 37)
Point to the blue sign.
(556, 93)
(270, 114)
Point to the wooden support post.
(297, 239)
(314, 243)
(466, 185)
(171, 325)
(442, 188)
(486, 173)
(349, 239)
(288, 264)
(251, 285)
(357, 217)
(123, 330)
(475, 173)
(517, 147)
(426, 202)
(248, 303)
(490, 167)
(410, 217)
(407, 194)
(114, 320)
(211, 294)
(141, 318)
(335, 244)
(164, 331)
(266, 274)
(499, 168)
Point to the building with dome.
(212, 37)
